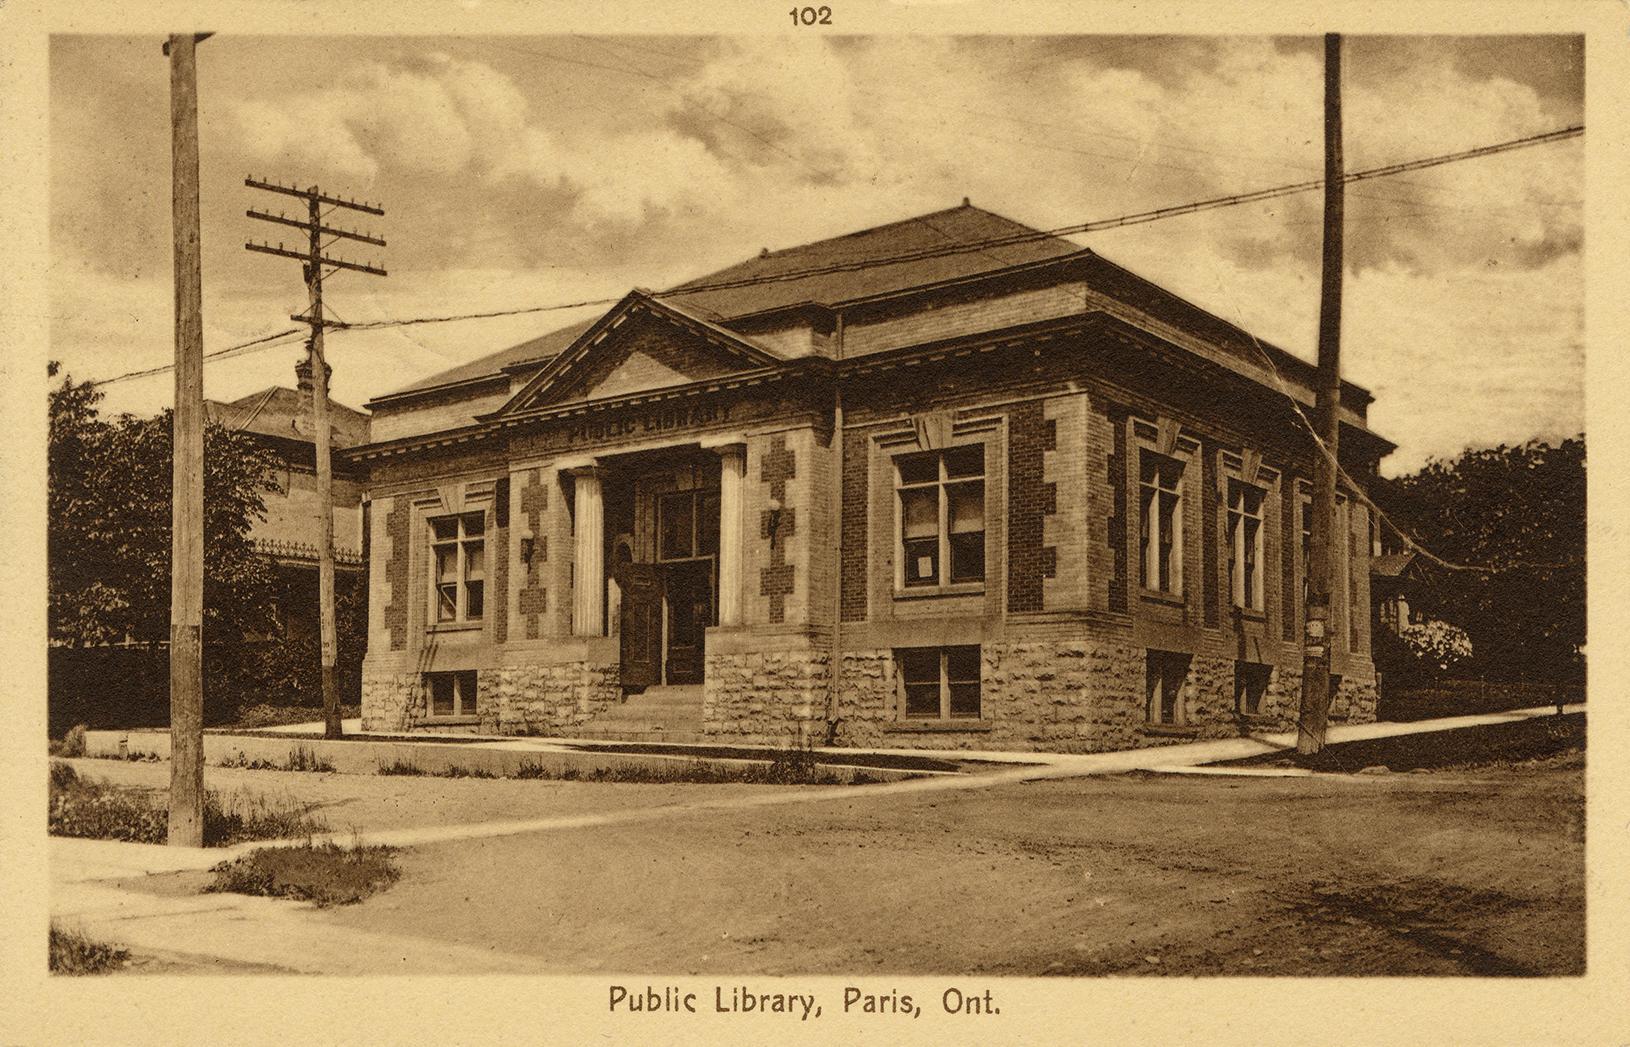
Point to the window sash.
(940, 683)
(458, 551)
(1160, 525)
(941, 516)
(452, 695)
(1245, 537)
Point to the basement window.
(939, 683)
(452, 695)
(1250, 685)
(1163, 676)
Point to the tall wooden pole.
(1317, 639)
(186, 823)
(325, 479)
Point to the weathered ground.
(1439, 873)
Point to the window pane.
(923, 699)
(441, 695)
(467, 693)
(475, 524)
(474, 593)
(965, 699)
(967, 506)
(474, 560)
(446, 602)
(707, 526)
(962, 664)
(965, 461)
(446, 563)
(677, 538)
(968, 557)
(920, 513)
(922, 561)
(918, 468)
(444, 527)
(920, 665)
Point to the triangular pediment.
(642, 344)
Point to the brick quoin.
(1119, 530)
(534, 597)
(1208, 532)
(779, 464)
(396, 570)
(1029, 501)
(853, 541)
(498, 599)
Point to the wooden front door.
(641, 624)
(689, 588)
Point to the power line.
(1029, 236)
(254, 344)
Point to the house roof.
(958, 225)
(277, 411)
(1391, 565)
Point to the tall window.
(1245, 543)
(452, 695)
(942, 516)
(688, 522)
(1160, 526)
(940, 683)
(1163, 676)
(458, 547)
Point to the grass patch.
(793, 767)
(881, 761)
(300, 759)
(74, 953)
(323, 873)
(93, 809)
(1537, 738)
(263, 715)
(403, 767)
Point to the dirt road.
(1436, 873)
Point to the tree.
(1518, 514)
(108, 543)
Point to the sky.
(534, 170)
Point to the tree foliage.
(1518, 515)
(108, 545)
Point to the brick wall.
(1064, 469)
(854, 548)
(778, 465)
(1209, 538)
(1030, 500)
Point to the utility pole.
(186, 819)
(314, 261)
(1317, 642)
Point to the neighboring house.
(1015, 497)
(280, 419)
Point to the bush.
(402, 767)
(324, 873)
(72, 744)
(300, 759)
(74, 953)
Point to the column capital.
(578, 465)
(724, 443)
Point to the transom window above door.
(688, 525)
(458, 546)
(942, 516)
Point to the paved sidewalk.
(290, 936)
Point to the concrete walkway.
(288, 936)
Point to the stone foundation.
(757, 694)
(546, 699)
(1072, 696)
(391, 701)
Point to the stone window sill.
(1171, 730)
(1249, 614)
(450, 721)
(936, 726)
(1157, 596)
(454, 627)
(930, 591)
(1254, 718)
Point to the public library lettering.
(1032, 503)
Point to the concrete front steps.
(668, 713)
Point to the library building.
(890, 489)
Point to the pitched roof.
(278, 411)
(958, 225)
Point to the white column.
(732, 477)
(589, 577)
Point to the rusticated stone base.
(546, 699)
(766, 697)
(391, 701)
(1072, 696)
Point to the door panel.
(689, 588)
(641, 647)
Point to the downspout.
(835, 658)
